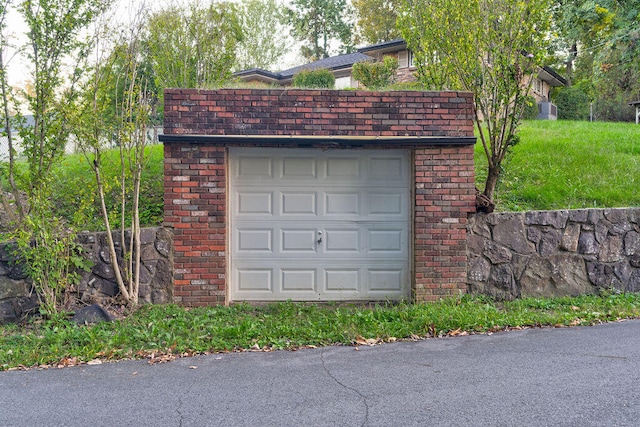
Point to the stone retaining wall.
(97, 285)
(554, 253)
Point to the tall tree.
(376, 20)
(7, 123)
(599, 44)
(54, 28)
(194, 46)
(116, 107)
(487, 47)
(54, 40)
(318, 23)
(581, 25)
(265, 39)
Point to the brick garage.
(205, 130)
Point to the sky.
(19, 67)
(16, 29)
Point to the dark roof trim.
(635, 103)
(383, 45)
(258, 72)
(554, 75)
(333, 63)
(345, 141)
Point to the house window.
(537, 86)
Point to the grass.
(556, 165)
(76, 196)
(569, 165)
(162, 332)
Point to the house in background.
(341, 66)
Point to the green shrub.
(75, 190)
(321, 78)
(409, 86)
(530, 111)
(376, 75)
(572, 103)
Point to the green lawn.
(163, 332)
(556, 165)
(569, 165)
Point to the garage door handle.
(319, 238)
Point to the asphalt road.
(541, 377)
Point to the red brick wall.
(444, 196)
(196, 182)
(317, 112)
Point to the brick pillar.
(195, 206)
(444, 196)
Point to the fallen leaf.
(193, 367)
(94, 362)
(574, 308)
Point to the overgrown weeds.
(168, 331)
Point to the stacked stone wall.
(97, 285)
(554, 253)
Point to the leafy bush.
(76, 193)
(321, 78)
(572, 103)
(409, 86)
(530, 109)
(376, 75)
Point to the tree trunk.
(491, 182)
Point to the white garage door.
(309, 224)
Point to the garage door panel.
(386, 204)
(255, 167)
(342, 279)
(387, 168)
(327, 225)
(298, 241)
(299, 203)
(299, 167)
(255, 203)
(343, 203)
(342, 240)
(385, 280)
(341, 168)
(387, 241)
(254, 240)
(299, 280)
(255, 279)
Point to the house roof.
(330, 63)
(554, 79)
(346, 61)
(391, 45)
(333, 63)
(636, 103)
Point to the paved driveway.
(542, 377)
